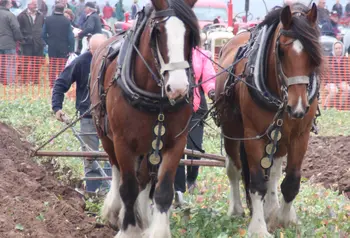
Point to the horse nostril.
(168, 88)
(307, 109)
(299, 115)
(289, 109)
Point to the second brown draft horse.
(269, 99)
(142, 112)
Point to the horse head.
(174, 32)
(297, 55)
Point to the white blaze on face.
(298, 46)
(299, 107)
(178, 81)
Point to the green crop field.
(321, 212)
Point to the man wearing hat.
(58, 35)
(92, 24)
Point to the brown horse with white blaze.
(142, 113)
(267, 110)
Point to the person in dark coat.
(338, 8)
(322, 13)
(78, 72)
(9, 34)
(134, 9)
(331, 28)
(31, 23)
(92, 24)
(58, 35)
(347, 9)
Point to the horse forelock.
(304, 31)
(185, 13)
(308, 35)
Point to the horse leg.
(112, 203)
(144, 205)
(164, 191)
(271, 202)
(257, 187)
(291, 183)
(129, 190)
(233, 171)
(143, 200)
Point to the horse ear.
(312, 14)
(286, 17)
(159, 4)
(191, 3)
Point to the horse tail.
(245, 174)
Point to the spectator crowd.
(35, 32)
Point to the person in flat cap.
(92, 24)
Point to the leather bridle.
(285, 81)
(157, 18)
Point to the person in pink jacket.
(204, 72)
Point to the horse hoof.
(110, 211)
(288, 218)
(131, 232)
(114, 227)
(259, 234)
(236, 211)
(258, 230)
(271, 219)
(271, 212)
(152, 234)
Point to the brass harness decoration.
(274, 136)
(154, 158)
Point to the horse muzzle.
(176, 84)
(297, 112)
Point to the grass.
(321, 212)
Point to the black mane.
(185, 13)
(303, 30)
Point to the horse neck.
(142, 75)
(272, 79)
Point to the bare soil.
(35, 204)
(327, 161)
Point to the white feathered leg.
(113, 203)
(234, 175)
(271, 198)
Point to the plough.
(212, 159)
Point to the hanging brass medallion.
(270, 149)
(279, 135)
(154, 159)
(265, 163)
(162, 130)
(154, 144)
